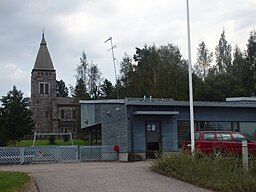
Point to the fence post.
(78, 153)
(59, 154)
(245, 154)
(22, 158)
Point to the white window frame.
(44, 88)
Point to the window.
(208, 136)
(46, 114)
(196, 136)
(41, 88)
(74, 114)
(224, 137)
(62, 114)
(44, 88)
(214, 125)
(248, 129)
(238, 137)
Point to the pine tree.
(16, 117)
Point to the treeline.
(162, 72)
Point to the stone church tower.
(51, 114)
(43, 90)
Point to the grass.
(46, 142)
(220, 174)
(12, 181)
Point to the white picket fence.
(54, 154)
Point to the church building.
(51, 114)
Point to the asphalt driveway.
(101, 177)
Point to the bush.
(221, 174)
(51, 140)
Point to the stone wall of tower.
(42, 101)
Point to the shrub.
(221, 174)
(51, 140)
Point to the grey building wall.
(218, 114)
(169, 132)
(114, 125)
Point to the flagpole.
(192, 129)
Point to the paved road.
(101, 177)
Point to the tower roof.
(43, 59)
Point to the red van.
(220, 142)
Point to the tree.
(106, 89)
(251, 62)
(80, 90)
(62, 90)
(82, 69)
(204, 59)
(223, 54)
(94, 81)
(16, 117)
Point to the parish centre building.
(144, 126)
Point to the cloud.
(11, 75)
(74, 26)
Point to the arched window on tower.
(44, 88)
(62, 114)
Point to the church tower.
(43, 89)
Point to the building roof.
(168, 102)
(66, 101)
(43, 59)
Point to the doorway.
(153, 138)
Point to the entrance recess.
(153, 138)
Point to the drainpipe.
(132, 134)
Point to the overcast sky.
(73, 26)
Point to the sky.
(71, 27)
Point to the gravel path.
(100, 177)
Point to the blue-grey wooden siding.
(169, 132)
(218, 114)
(114, 125)
(87, 115)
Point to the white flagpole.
(192, 129)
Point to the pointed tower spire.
(43, 59)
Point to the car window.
(197, 135)
(208, 137)
(238, 137)
(224, 137)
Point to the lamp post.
(192, 129)
(113, 57)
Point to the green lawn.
(12, 181)
(46, 142)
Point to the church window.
(74, 114)
(62, 113)
(44, 88)
(41, 88)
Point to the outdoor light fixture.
(109, 113)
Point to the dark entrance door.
(153, 138)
